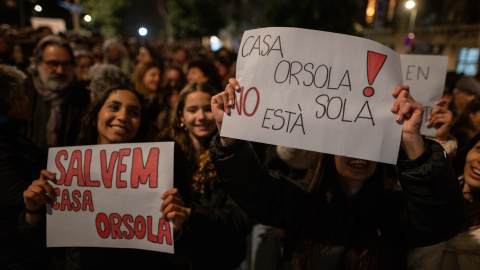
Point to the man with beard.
(57, 101)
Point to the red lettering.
(86, 170)
(151, 237)
(122, 168)
(75, 171)
(127, 219)
(150, 171)
(60, 166)
(140, 227)
(76, 202)
(241, 104)
(116, 222)
(107, 173)
(100, 220)
(87, 201)
(164, 230)
(65, 201)
(56, 205)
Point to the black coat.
(427, 210)
(20, 163)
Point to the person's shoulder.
(79, 94)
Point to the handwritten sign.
(109, 196)
(425, 74)
(317, 91)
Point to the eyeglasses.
(55, 64)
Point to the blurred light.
(142, 31)
(370, 11)
(38, 8)
(215, 43)
(87, 18)
(411, 35)
(410, 4)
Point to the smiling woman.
(119, 118)
(116, 117)
(353, 215)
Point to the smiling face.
(119, 118)
(151, 79)
(354, 172)
(472, 169)
(197, 116)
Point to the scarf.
(55, 99)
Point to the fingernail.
(398, 117)
(236, 87)
(230, 102)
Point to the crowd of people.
(235, 204)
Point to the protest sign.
(425, 74)
(318, 91)
(109, 196)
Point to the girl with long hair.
(217, 225)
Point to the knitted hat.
(469, 85)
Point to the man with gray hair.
(57, 100)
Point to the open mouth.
(119, 129)
(358, 163)
(476, 171)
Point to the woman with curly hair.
(217, 225)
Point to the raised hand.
(410, 113)
(222, 103)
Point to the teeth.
(476, 171)
(358, 162)
(119, 128)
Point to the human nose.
(122, 115)
(201, 115)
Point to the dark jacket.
(20, 163)
(77, 100)
(427, 210)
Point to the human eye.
(135, 113)
(192, 109)
(113, 107)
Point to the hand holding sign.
(410, 112)
(174, 207)
(222, 103)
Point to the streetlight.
(87, 18)
(413, 14)
(142, 31)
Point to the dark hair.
(362, 253)
(51, 40)
(11, 86)
(89, 132)
(473, 209)
(202, 167)
(209, 70)
(463, 119)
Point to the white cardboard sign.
(317, 91)
(109, 196)
(425, 74)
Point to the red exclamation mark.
(375, 62)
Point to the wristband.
(34, 212)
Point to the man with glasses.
(57, 100)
